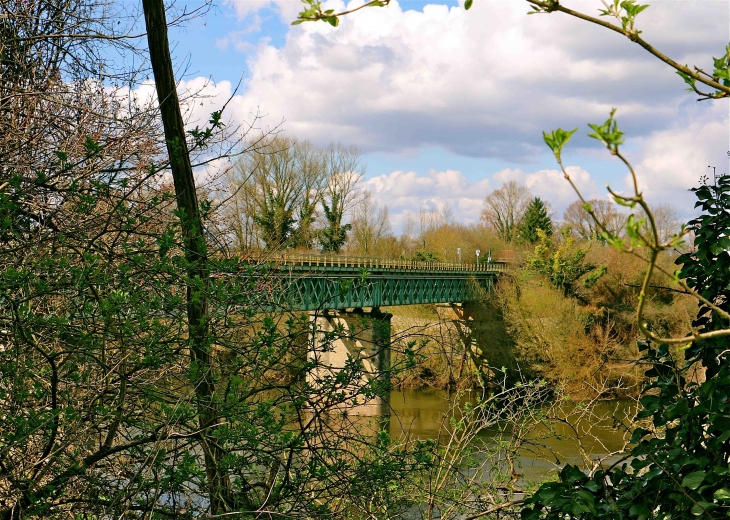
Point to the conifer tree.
(536, 218)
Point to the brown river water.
(549, 445)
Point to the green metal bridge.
(312, 282)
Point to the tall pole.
(196, 254)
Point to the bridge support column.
(338, 336)
(466, 328)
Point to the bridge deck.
(320, 282)
(329, 263)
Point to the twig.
(496, 508)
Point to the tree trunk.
(196, 254)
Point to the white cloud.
(408, 191)
(287, 9)
(672, 160)
(485, 83)
(482, 83)
(551, 186)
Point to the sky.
(446, 105)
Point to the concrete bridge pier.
(339, 335)
(465, 327)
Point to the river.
(548, 445)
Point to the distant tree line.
(290, 194)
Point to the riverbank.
(579, 335)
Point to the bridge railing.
(311, 260)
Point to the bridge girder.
(321, 290)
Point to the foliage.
(535, 219)
(563, 263)
(139, 376)
(683, 471)
(276, 220)
(425, 256)
(334, 235)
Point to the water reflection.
(547, 446)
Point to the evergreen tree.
(276, 221)
(536, 218)
(334, 236)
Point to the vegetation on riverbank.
(139, 378)
(581, 338)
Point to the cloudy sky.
(447, 104)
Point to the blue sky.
(434, 95)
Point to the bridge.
(312, 283)
(343, 296)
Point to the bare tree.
(277, 187)
(584, 226)
(666, 220)
(290, 193)
(370, 224)
(344, 171)
(503, 209)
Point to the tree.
(344, 172)
(563, 264)
(678, 469)
(504, 209)
(138, 376)
(287, 178)
(76, 201)
(679, 472)
(584, 226)
(334, 235)
(666, 219)
(370, 224)
(196, 253)
(535, 218)
(281, 189)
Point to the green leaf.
(702, 508)
(722, 494)
(92, 147)
(297, 22)
(557, 139)
(333, 21)
(689, 80)
(467, 4)
(623, 202)
(608, 133)
(693, 480)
